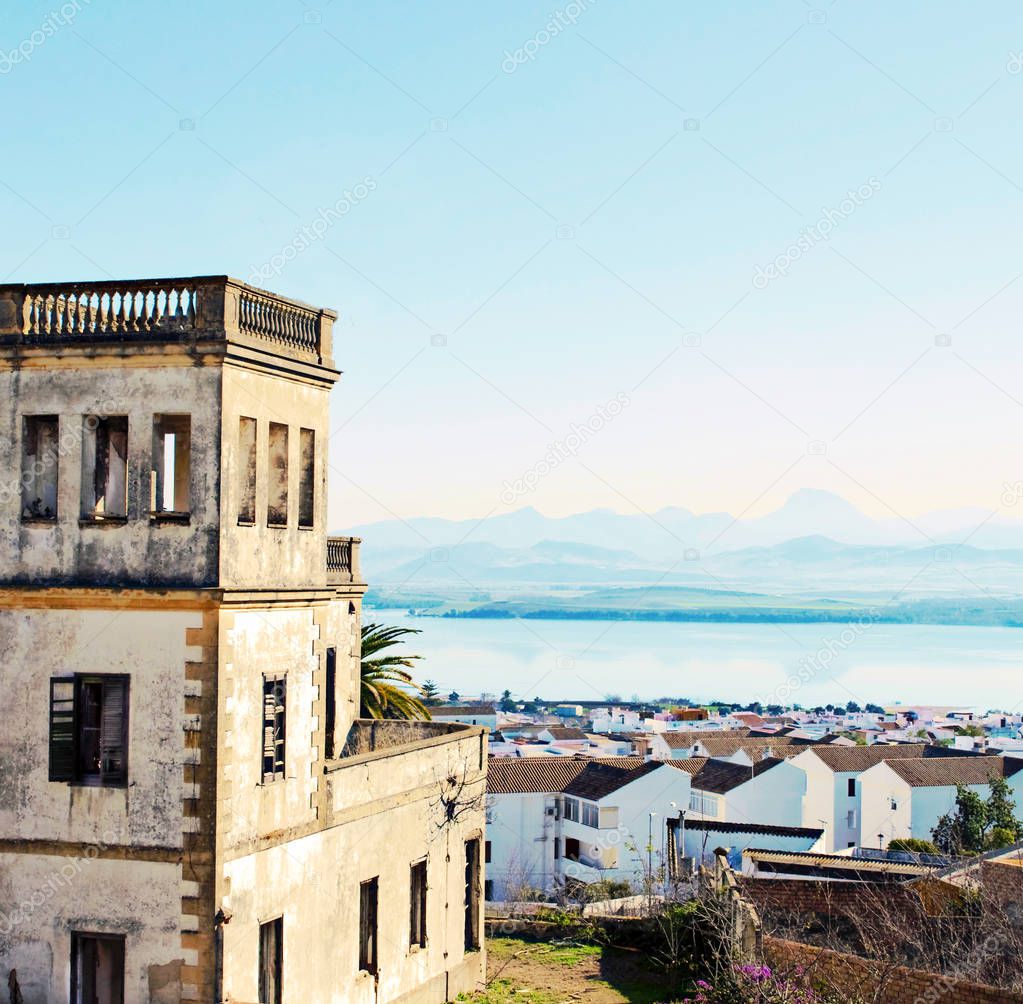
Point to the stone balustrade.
(343, 560)
(200, 308)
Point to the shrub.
(913, 844)
(753, 984)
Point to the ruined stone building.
(190, 807)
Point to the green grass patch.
(508, 992)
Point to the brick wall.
(831, 898)
(853, 976)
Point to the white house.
(702, 837)
(467, 714)
(615, 720)
(769, 791)
(832, 786)
(554, 821)
(906, 798)
(680, 744)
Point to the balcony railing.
(200, 307)
(343, 560)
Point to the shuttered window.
(89, 729)
(274, 721)
(368, 892)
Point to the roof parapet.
(197, 308)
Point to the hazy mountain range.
(816, 544)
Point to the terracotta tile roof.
(934, 772)
(721, 776)
(565, 732)
(684, 738)
(586, 777)
(462, 710)
(850, 759)
(783, 746)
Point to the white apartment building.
(558, 820)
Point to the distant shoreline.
(728, 616)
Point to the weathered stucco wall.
(96, 859)
(387, 813)
(138, 551)
(46, 897)
(260, 556)
(147, 645)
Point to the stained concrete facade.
(186, 854)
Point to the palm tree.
(388, 690)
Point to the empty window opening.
(172, 452)
(247, 470)
(306, 477)
(277, 497)
(39, 454)
(97, 968)
(271, 961)
(89, 730)
(368, 925)
(274, 721)
(488, 889)
(851, 787)
(572, 849)
(330, 704)
(486, 852)
(473, 877)
(417, 907)
(105, 467)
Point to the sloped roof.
(785, 746)
(681, 739)
(449, 711)
(935, 772)
(849, 759)
(764, 829)
(721, 776)
(586, 777)
(565, 732)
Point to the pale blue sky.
(677, 146)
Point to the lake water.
(807, 664)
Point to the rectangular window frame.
(572, 810)
(306, 479)
(273, 748)
(81, 942)
(369, 902)
(418, 886)
(590, 815)
(277, 476)
(40, 468)
(248, 469)
(329, 703)
(105, 468)
(473, 893)
(850, 787)
(271, 961)
(71, 717)
(166, 426)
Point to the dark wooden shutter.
(113, 738)
(62, 729)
